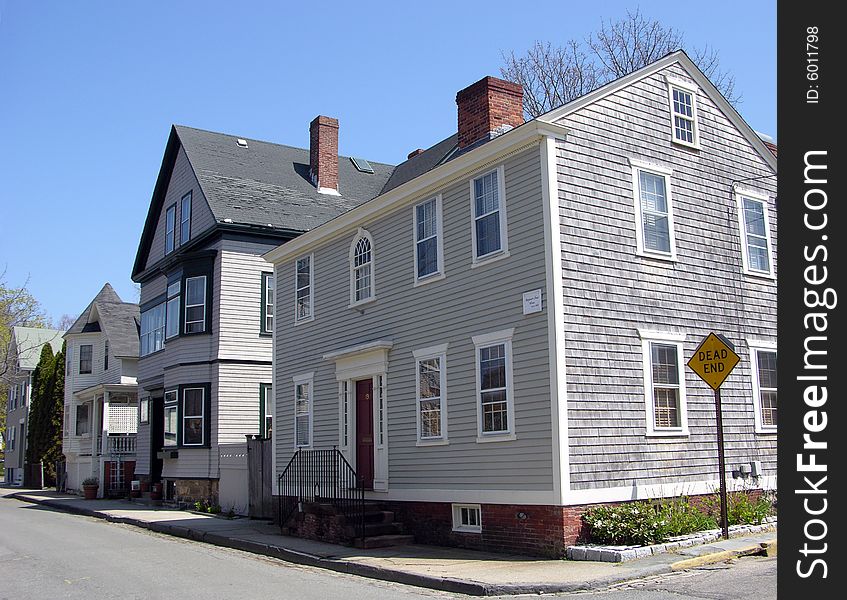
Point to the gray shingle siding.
(610, 291)
(466, 303)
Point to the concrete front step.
(376, 529)
(383, 541)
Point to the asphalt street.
(51, 554)
(45, 554)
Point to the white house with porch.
(101, 394)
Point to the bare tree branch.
(552, 76)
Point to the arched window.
(361, 268)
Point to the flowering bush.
(633, 523)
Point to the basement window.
(467, 518)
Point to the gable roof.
(29, 341)
(679, 56)
(117, 319)
(262, 185)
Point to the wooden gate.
(260, 477)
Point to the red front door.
(365, 431)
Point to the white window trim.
(740, 194)
(503, 252)
(173, 404)
(439, 352)
(171, 297)
(666, 173)
(691, 88)
(307, 378)
(756, 346)
(676, 339)
(311, 257)
(353, 302)
(439, 228)
(457, 518)
(504, 337)
(187, 305)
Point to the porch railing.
(322, 476)
(116, 444)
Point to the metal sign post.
(713, 361)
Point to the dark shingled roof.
(119, 320)
(268, 184)
(422, 163)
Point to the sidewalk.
(448, 569)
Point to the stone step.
(375, 529)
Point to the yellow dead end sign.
(713, 360)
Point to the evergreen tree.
(43, 378)
(55, 415)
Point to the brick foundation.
(532, 530)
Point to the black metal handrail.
(322, 476)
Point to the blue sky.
(88, 91)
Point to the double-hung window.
(172, 316)
(653, 210)
(303, 289)
(267, 312)
(361, 268)
(266, 410)
(82, 421)
(171, 412)
(495, 403)
(488, 208)
(170, 224)
(755, 233)
(303, 410)
(428, 240)
(664, 383)
(193, 416)
(85, 356)
(431, 393)
(195, 304)
(764, 386)
(683, 107)
(152, 329)
(185, 219)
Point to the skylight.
(362, 165)
(241, 142)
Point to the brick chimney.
(488, 108)
(323, 154)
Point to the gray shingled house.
(498, 339)
(101, 400)
(208, 298)
(25, 346)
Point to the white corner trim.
(660, 336)
(555, 319)
(430, 351)
(494, 336)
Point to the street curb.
(468, 587)
(716, 557)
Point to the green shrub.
(740, 508)
(679, 517)
(633, 523)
